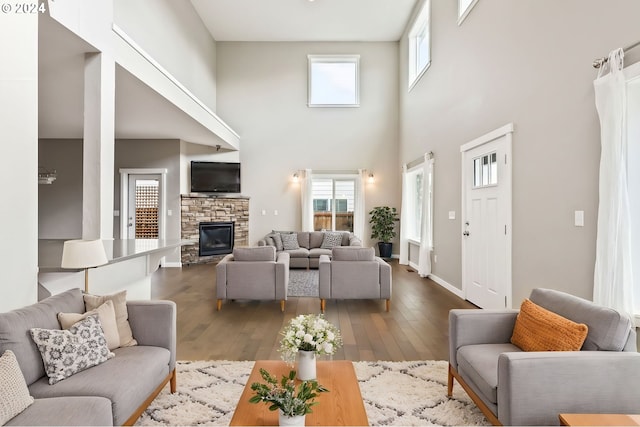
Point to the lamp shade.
(83, 254)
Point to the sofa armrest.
(470, 326)
(262, 242)
(282, 275)
(221, 276)
(385, 278)
(154, 323)
(534, 387)
(324, 275)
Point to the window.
(333, 203)
(485, 171)
(419, 44)
(464, 8)
(333, 81)
(415, 178)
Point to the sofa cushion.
(346, 236)
(14, 394)
(354, 241)
(331, 240)
(608, 328)
(316, 252)
(15, 325)
(257, 253)
(299, 253)
(479, 363)
(349, 253)
(119, 299)
(290, 241)
(303, 239)
(538, 329)
(66, 411)
(269, 241)
(315, 239)
(67, 352)
(107, 316)
(126, 380)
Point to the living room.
(526, 63)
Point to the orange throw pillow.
(538, 329)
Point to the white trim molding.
(448, 286)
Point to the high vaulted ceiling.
(305, 20)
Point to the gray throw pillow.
(14, 394)
(331, 240)
(277, 239)
(67, 352)
(290, 241)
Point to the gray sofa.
(354, 273)
(255, 273)
(115, 392)
(514, 387)
(310, 246)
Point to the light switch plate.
(452, 214)
(579, 218)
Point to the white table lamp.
(83, 254)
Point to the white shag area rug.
(395, 393)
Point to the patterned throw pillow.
(290, 241)
(67, 352)
(331, 240)
(14, 394)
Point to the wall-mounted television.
(215, 177)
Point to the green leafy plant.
(284, 396)
(383, 219)
(309, 332)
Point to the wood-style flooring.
(416, 328)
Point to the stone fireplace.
(222, 218)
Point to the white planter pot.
(284, 420)
(306, 361)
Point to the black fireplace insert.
(216, 238)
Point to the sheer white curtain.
(404, 219)
(358, 209)
(613, 280)
(424, 263)
(306, 200)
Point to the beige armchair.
(354, 273)
(253, 273)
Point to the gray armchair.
(513, 387)
(354, 273)
(253, 273)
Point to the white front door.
(486, 219)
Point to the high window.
(464, 8)
(419, 44)
(333, 81)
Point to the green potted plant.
(383, 219)
(292, 404)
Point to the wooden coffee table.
(599, 420)
(342, 405)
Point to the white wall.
(174, 35)
(60, 204)
(18, 159)
(262, 94)
(189, 152)
(526, 62)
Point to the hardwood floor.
(416, 328)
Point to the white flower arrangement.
(309, 332)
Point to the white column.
(98, 148)
(18, 157)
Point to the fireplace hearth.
(216, 238)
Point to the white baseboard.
(413, 265)
(172, 264)
(448, 286)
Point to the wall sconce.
(371, 179)
(295, 177)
